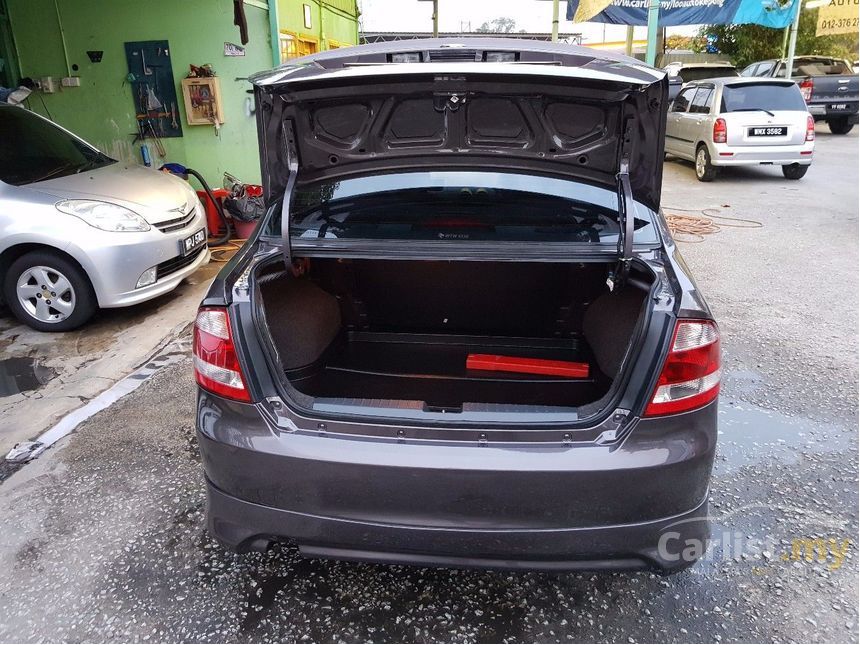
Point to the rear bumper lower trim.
(245, 526)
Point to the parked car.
(828, 85)
(463, 334)
(741, 122)
(79, 230)
(680, 73)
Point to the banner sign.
(838, 17)
(674, 13)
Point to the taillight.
(216, 366)
(720, 131)
(810, 128)
(806, 89)
(690, 377)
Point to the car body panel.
(546, 493)
(113, 261)
(536, 502)
(569, 118)
(686, 131)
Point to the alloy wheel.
(46, 294)
(700, 162)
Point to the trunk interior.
(398, 334)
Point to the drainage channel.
(26, 451)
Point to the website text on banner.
(674, 13)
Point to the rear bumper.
(538, 506)
(243, 526)
(727, 155)
(822, 111)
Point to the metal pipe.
(435, 18)
(555, 21)
(653, 20)
(63, 39)
(275, 32)
(628, 43)
(792, 40)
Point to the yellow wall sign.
(838, 17)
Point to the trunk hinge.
(293, 169)
(626, 217)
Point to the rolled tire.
(840, 126)
(48, 292)
(705, 170)
(794, 171)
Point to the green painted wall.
(101, 110)
(330, 20)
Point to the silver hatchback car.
(739, 122)
(79, 230)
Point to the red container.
(213, 220)
(243, 229)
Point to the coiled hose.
(181, 171)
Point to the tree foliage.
(500, 25)
(745, 44)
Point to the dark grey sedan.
(462, 335)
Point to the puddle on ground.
(22, 375)
(749, 434)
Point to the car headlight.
(104, 215)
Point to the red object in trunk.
(498, 363)
(213, 220)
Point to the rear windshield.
(761, 96)
(817, 67)
(688, 74)
(459, 206)
(33, 149)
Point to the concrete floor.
(78, 365)
(103, 538)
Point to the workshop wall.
(334, 23)
(101, 109)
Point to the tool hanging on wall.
(152, 102)
(150, 75)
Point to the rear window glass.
(807, 67)
(761, 96)
(688, 74)
(459, 206)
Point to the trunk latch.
(450, 101)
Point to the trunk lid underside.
(586, 125)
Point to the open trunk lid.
(550, 109)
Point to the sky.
(458, 15)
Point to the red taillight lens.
(691, 373)
(810, 128)
(216, 366)
(806, 89)
(720, 131)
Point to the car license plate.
(193, 242)
(839, 106)
(769, 131)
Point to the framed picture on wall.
(202, 100)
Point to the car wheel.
(794, 171)
(840, 126)
(48, 292)
(705, 171)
